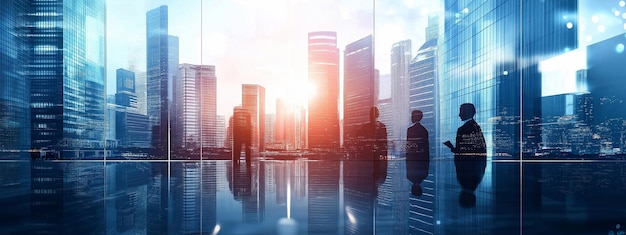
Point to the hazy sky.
(260, 42)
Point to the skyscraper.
(162, 70)
(67, 86)
(125, 92)
(14, 97)
(400, 59)
(196, 103)
(323, 117)
(253, 101)
(359, 87)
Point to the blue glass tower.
(66, 72)
(162, 69)
(14, 92)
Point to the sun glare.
(298, 92)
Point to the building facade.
(196, 103)
(400, 60)
(67, 96)
(323, 69)
(162, 72)
(253, 101)
(359, 86)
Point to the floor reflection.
(306, 197)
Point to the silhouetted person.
(372, 138)
(242, 134)
(470, 155)
(372, 141)
(417, 153)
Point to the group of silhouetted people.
(469, 153)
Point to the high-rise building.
(493, 72)
(290, 127)
(67, 96)
(359, 87)
(14, 97)
(131, 127)
(220, 133)
(253, 101)
(495, 85)
(125, 92)
(400, 59)
(270, 123)
(323, 117)
(141, 92)
(196, 103)
(162, 72)
(423, 88)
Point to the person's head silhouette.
(416, 116)
(374, 114)
(467, 111)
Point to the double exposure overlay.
(312, 117)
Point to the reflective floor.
(309, 197)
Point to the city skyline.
(279, 33)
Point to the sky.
(260, 42)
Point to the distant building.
(323, 117)
(359, 86)
(196, 103)
(400, 80)
(253, 101)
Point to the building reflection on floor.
(307, 197)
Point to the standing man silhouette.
(417, 153)
(470, 155)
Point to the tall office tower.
(495, 85)
(400, 59)
(253, 101)
(66, 73)
(220, 132)
(423, 96)
(359, 88)
(196, 103)
(270, 123)
(125, 92)
(162, 72)
(323, 117)
(14, 95)
(480, 64)
(141, 92)
(323, 197)
(423, 91)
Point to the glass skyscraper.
(197, 103)
(400, 60)
(14, 84)
(162, 71)
(323, 118)
(67, 86)
(359, 87)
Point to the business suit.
(417, 153)
(470, 155)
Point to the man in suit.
(417, 153)
(470, 155)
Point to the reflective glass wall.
(312, 117)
